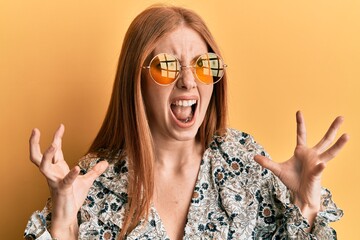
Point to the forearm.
(64, 223)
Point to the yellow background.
(58, 60)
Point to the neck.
(174, 155)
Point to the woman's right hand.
(68, 189)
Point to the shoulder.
(236, 142)
(107, 197)
(113, 181)
(232, 158)
(116, 168)
(239, 179)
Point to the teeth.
(185, 103)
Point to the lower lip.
(183, 124)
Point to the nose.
(187, 78)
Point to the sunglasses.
(165, 68)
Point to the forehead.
(183, 42)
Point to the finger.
(46, 160)
(318, 169)
(97, 170)
(267, 163)
(330, 134)
(71, 176)
(34, 147)
(58, 135)
(58, 142)
(300, 129)
(335, 149)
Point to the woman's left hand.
(301, 174)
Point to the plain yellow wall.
(58, 59)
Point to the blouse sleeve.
(257, 201)
(289, 220)
(38, 224)
(40, 221)
(291, 223)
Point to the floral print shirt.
(234, 198)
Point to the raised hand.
(302, 172)
(68, 189)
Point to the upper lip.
(191, 97)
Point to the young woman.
(164, 165)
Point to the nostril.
(186, 79)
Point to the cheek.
(206, 93)
(162, 77)
(155, 96)
(205, 77)
(148, 90)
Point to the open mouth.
(184, 110)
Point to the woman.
(164, 165)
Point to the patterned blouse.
(234, 198)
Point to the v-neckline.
(204, 160)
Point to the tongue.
(181, 113)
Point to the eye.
(199, 62)
(172, 64)
(156, 64)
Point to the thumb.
(71, 176)
(267, 163)
(318, 169)
(97, 170)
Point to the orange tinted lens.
(164, 68)
(209, 68)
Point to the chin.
(185, 134)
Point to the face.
(176, 111)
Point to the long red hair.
(125, 129)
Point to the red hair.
(125, 129)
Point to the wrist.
(60, 232)
(308, 210)
(307, 205)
